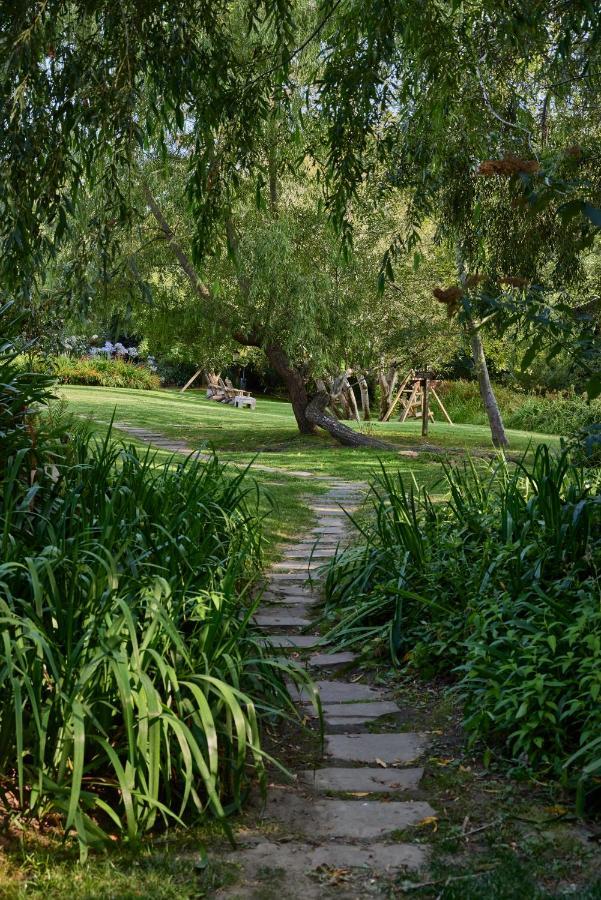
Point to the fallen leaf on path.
(556, 810)
(429, 820)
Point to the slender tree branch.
(493, 111)
(199, 286)
(298, 50)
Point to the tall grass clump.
(563, 413)
(497, 586)
(114, 373)
(463, 402)
(132, 686)
(556, 414)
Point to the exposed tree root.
(315, 413)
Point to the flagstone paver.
(365, 710)
(351, 819)
(371, 780)
(332, 659)
(341, 692)
(300, 860)
(294, 641)
(390, 748)
(281, 620)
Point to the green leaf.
(529, 356)
(523, 709)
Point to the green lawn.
(270, 431)
(268, 436)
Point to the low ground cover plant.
(95, 371)
(464, 404)
(132, 685)
(497, 587)
(563, 413)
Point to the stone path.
(173, 445)
(348, 815)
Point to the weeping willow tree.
(427, 92)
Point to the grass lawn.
(270, 432)
(269, 436)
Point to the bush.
(463, 402)
(174, 372)
(21, 393)
(500, 585)
(101, 372)
(132, 685)
(550, 414)
(555, 414)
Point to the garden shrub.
(498, 586)
(558, 413)
(555, 414)
(132, 682)
(21, 391)
(100, 372)
(463, 402)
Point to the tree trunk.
(352, 401)
(315, 413)
(387, 386)
(295, 385)
(497, 429)
(364, 397)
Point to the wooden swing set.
(414, 396)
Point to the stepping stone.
(402, 747)
(341, 692)
(292, 566)
(290, 600)
(346, 724)
(375, 781)
(332, 659)
(287, 578)
(280, 608)
(372, 710)
(293, 641)
(298, 858)
(301, 593)
(351, 819)
(310, 554)
(281, 619)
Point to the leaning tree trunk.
(352, 401)
(317, 416)
(295, 385)
(497, 429)
(387, 386)
(364, 397)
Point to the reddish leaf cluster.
(451, 296)
(508, 166)
(513, 281)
